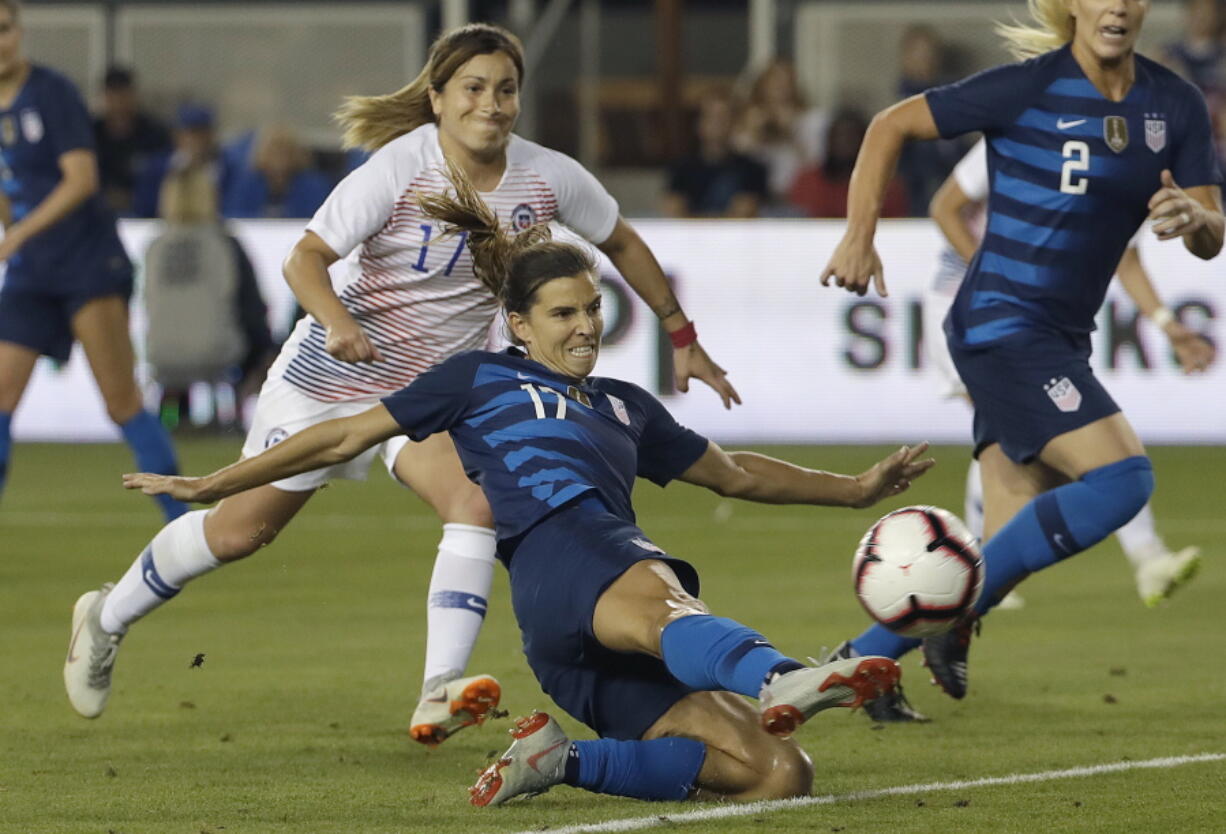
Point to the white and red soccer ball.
(917, 571)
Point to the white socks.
(177, 554)
(459, 590)
(973, 504)
(1140, 540)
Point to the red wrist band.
(684, 336)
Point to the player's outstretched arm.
(855, 263)
(78, 182)
(768, 480)
(635, 261)
(324, 444)
(1194, 352)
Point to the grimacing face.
(479, 104)
(1107, 29)
(562, 328)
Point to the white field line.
(756, 808)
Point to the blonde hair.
(188, 195)
(370, 122)
(1055, 29)
(512, 267)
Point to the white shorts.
(282, 410)
(936, 307)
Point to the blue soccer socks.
(1062, 522)
(150, 445)
(879, 640)
(716, 653)
(660, 769)
(6, 446)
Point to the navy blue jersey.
(47, 120)
(1071, 176)
(535, 440)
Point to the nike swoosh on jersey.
(1061, 124)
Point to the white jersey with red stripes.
(413, 292)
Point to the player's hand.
(1194, 352)
(893, 475)
(692, 361)
(347, 342)
(183, 489)
(1172, 212)
(853, 265)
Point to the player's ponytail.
(1053, 30)
(513, 267)
(370, 122)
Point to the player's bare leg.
(16, 365)
(189, 546)
(459, 591)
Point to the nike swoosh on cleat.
(72, 658)
(532, 760)
(1061, 124)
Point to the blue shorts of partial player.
(36, 311)
(1029, 388)
(558, 571)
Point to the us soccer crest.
(1064, 394)
(1155, 132)
(31, 126)
(619, 408)
(522, 216)
(1115, 132)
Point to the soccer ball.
(917, 570)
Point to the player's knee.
(232, 542)
(789, 773)
(466, 505)
(1125, 487)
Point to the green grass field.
(296, 721)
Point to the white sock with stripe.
(177, 554)
(459, 591)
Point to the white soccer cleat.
(795, 697)
(1161, 576)
(91, 655)
(451, 705)
(534, 763)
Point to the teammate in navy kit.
(68, 278)
(1086, 141)
(611, 624)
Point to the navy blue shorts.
(558, 571)
(41, 319)
(1030, 388)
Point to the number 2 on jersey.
(1076, 160)
(426, 229)
(535, 393)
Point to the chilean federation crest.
(522, 216)
(1115, 132)
(1155, 131)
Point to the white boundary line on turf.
(726, 811)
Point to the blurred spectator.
(207, 320)
(1199, 54)
(717, 181)
(194, 145)
(278, 181)
(126, 137)
(1200, 57)
(821, 190)
(923, 166)
(779, 129)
